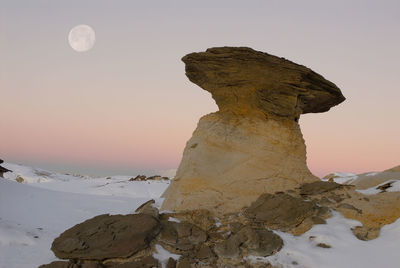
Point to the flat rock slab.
(280, 211)
(107, 236)
(318, 187)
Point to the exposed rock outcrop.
(253, 144)
(199, 238)
(3, 169)
(151, 178)
(117, 241)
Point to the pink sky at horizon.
(126, 106)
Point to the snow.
(218, 222)
(162, 255)
(395, 187)
(374, 190)
(173, 219)
(115, 185)
(36, 211)
(344, 177)
(346, 250)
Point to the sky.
(126, 107)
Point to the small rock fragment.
(348, 206)
(138, 178)
(19, 179)
(323, 245)
(171, 263)
(364, 233)
(148, 208)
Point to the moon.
(82, 38)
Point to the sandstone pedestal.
(253, 144)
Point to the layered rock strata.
(253, 144)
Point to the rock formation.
(253, 144)
(3, 169)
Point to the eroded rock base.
(201, 238)
(231, 160)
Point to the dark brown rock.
(318, 187)
(280, 211)
(181, 235)
(91, 265)
(385, 186)
(138, 178)
(183, 263)
(257, 242)
(323, 245)
(57, 264)
(171, 263)
(106, 236)
(204, 252)
(157, 178)
(235, 227)
(241, 79)
(145, 262)
(3, 169)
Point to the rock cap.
(242, 81)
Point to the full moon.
(81, 38)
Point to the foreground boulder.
(253, 144)
(106, 236)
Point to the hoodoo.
(253, 144)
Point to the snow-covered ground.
(346, 250)
(36, 211)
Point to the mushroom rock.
(253, 144)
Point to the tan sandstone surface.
(369, 180)
(253, 144)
